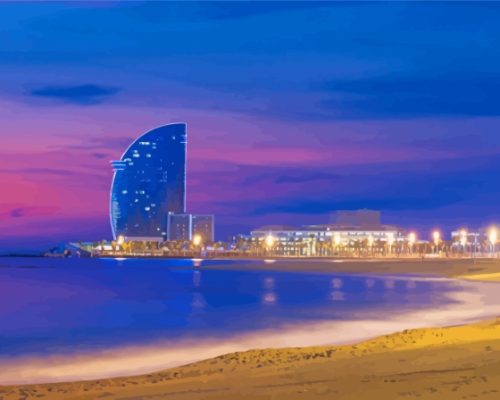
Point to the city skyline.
(325, 106)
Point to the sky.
(294, 110)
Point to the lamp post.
(412, 239)
(493, 238)
(336, 241)
(120, 240)
(197, 241)
(390, 241)
(436, 236)
(370, 244)
(269, 242)
(463, 240)
(475, 249)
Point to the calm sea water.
(61, 306)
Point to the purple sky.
(293, 110)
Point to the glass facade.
(180, 227)
(149, 182)
(186, 226)
(203, 225)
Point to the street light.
(412, 239)
(463, 237)
(269, 241)
(493, 237)
(197, 240)
(370, 240)
(370, 243)
(390, 240)
(436, 236)
(336, 239)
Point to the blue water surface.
(62, 306)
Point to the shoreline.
(460, 361)
(468, 302)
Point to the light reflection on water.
(49, 306)
(336, 283)
(198, 301)
(269, 298)
(369, 283)
(197, 262)
(337, 295)
(411, 285)
(389, 284)
(269, 283)
(196, 279)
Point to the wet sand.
(461, 362)
(485, 269)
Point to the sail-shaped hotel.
(149, 183)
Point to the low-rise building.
(184, 227)
(312, 240)
(203, 225)
(179, 227)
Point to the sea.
(63, 309)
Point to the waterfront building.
(318, 240)
(203, 225)
(149, 182)
(480, 241)
(180, 227)
(462, 238)
(184, 227)
(355, 230)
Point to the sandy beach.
(429, 361)
(461, 362)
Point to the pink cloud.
(55, 174)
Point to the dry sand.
(460, 362)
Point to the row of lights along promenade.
(463, 244)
